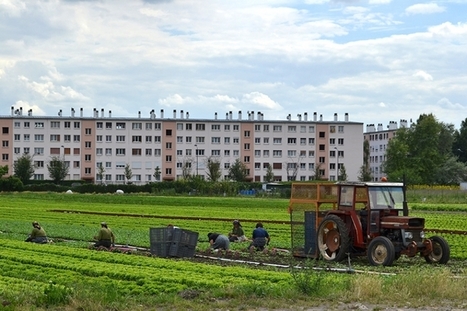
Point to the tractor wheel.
(381, 251)
(441, 251)
(333, 238)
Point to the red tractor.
(368, 218)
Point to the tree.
(3, 170)
(317, 175)
(237, 171)
(128, 173)
(269, 174)
(24, 167)
(100, 172)
(57, 169)
(157, 173)
(365, 172)
(342, 173)
(451, 172)
(460, 142)
(214, 169)
(186, 168)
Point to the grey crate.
(181, 250)
(160, 249)
(163, 234)
(185, 237)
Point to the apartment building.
(294, 148)
(378, 139)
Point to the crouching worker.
(218, 241)
(38, 234)
(260, 238)
(237, 234)
(105, 237)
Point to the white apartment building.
(378, 138)
(293, 148)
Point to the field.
(69, 275)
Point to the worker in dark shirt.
(218, 241)
(105, 237)
(38, 234)
(260, 238)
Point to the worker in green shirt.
(105, 237)
(38, 234)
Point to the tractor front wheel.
(333, 238)
(440, 252)
(381, 251)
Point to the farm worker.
(237, 234)
(105, 237)
(218, 241)
(38, 234)
(260, 238)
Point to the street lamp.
(337, 163)
(196, 159)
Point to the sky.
(377, 60)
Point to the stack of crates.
(172, 242)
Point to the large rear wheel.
(440, 252)
(333, 238)
(381, 251)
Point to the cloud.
(424, 8)
(261, 100)
(423, 75)
(379, 1)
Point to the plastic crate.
(163, 234)
(185, 237)
(181, 250)
(160, 249)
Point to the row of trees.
(428, 152)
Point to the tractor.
(365, 219)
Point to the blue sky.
(377, 60)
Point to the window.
(99, 138)
(137, 139)
(26, 137)
(247, 133)
(26, 125)
(215, 127)
(108, 151)
(311, 166)
(266, 153)
(332, 141)
(188, 152)
(188, 126)
(246, 146)
(148, 126)
(108, 138)
(38, 125)
(158, 126)
(76, 138)
(5, 157)
(257, 128)
(108, 177)
(76, 125)
(215, 140)
(266, 140)
(180, 152)
(322, 134)
(226, 166)
(99, 151)
(302, 129)
(39, 151)
(226, 140)
(277, 128)
(87, 131)
(226, 153)
(340, 129)
(266, 128)
(148, 152)
(179, 126)
(38, 137)
(87, 144)
(236, 128)
(99, 125)
(157, 152)
(292, 153)
(302, 141)
(5, 143)
(87, 157)
(291, 141)
(311, 141)
(200, 127)
(108, 125)
(322, 147)
(340, 141)
(188, 139)
(157, 139)
(17, 150)
(55, 124)
(136, 152)
(136, 126)
(38, 176)
(332, 129)
(120, 151)
(215, 152)
(322, 159)
(236, 141)
(200, 139)
(17, 125)
(246, 159)
(168, 171)
(148, 139)
(179, 139)
(258, 153)
(120, 177)
(227, 128)
(292, 129)
(168, 145)
(168, 132)
(120, 125)
(276, 166)
(277, 153)
(311, 129)
(277, 141)
(168, 158)
(257, 141)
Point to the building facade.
(378, 139)
(177, 145)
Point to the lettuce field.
(54, 273)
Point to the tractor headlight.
(408, 235)
(422, 234)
